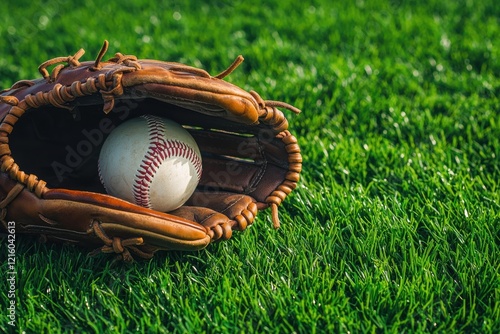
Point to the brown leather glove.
(53, 128)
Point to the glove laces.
(120, 246)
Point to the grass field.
(395, 226)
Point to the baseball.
(152, 162)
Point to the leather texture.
(52, 129)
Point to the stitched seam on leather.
(207, 218)
(233, 204)
(158, 151)
(256, 180)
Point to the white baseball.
(152, 162)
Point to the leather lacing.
(118, 245)
(109, 85)
(70, 60)
(291, 178)
(270, 115)
(16, 190)
(247, 216)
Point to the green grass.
(395, 226)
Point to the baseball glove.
(53, 127)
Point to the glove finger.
(240, 208)
(246, 218)
(218, 225)
(93, 219)
(217, 229)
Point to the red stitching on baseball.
(99, 172)
(158, 151)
